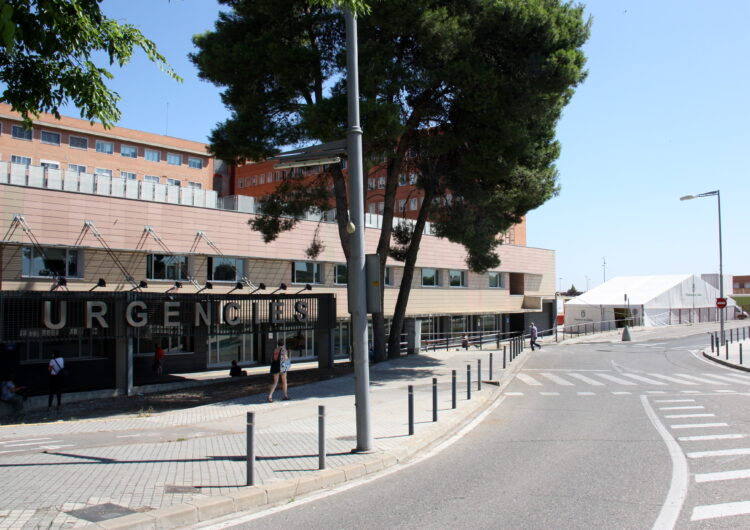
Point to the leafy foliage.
(46, 57)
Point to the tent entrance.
(623, 316)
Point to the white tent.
(647, 300)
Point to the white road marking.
(707, 415)
(706, 437)
(739, 377)
(645, 379)
(722, 475)
(697, 425)
(727, 391)
(655, 392)
(32, 443)
(128, 435)
(683, 407)
(12, 451)
(700, 379)
(621, 393)
(55, 447)
(721, 452)
(673, 379)
(727, 378)
(528, 379)
(514, 393)
(713, 511)
(549, 393)
(556, 379)
(678, 486)
(585, 379)
(674, 401)
(617, 380)
(690, 391)
(586, 393)
(25, 440)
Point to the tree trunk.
(394, 339)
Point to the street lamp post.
(356, 265)
(721, 258)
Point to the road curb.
(725, 363)
(247, 498)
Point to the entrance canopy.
(656, 300)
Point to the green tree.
(465, 94)
(47, 50)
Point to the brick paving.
(135, 461)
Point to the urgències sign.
(29, 314)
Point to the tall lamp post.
(721, 259)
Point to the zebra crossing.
(646, 379)
(709, 448)
(31, 444)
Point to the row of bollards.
(734, 335)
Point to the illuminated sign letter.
(171, 309)
(131, 319)
(301, 309)
(232, 321)
(47, 316)
(276, 311)
(202, 313)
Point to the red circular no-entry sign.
(721, 303)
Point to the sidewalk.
(735, 353)
(180, 467)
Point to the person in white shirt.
(10, 393)
(55, 367)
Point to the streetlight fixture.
(721, 258)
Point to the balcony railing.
(98, 184)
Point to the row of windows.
(108, 148)
(403, 206)
(403, 180)
(278, 176)
(745, 285)
(67, 262)
(78, 168)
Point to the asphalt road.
(598, 435)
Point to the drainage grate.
(101, 512)
(169, 488)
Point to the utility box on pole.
(373, 290)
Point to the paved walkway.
(71, 473)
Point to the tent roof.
(640, 290)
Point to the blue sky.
(664, 113)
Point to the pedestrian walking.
(465, 342)
(280, 364)
(533, 336)
(158, 356)
(56, 369)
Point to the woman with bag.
(55, 368)
(280, 364)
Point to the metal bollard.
(726, 344)
(468, 381)
(321, 437)
(504, 357)
(479, 375)
(740, 353)
(490, 366)
(434, 399)
(453, 389)
(718, 345)
(411, 410)
(712, 343)
(251, 448)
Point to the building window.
(736, 285)
(371, 207)
(371, 184)
(340, 276)
(77, 168)
(381, 183)
(161, 267)
(412, 178)
(105, 147)
(413, 203)
(102, 171)
(128, 151)
(20, 133)
(78, 142)
(402, 180)
(747, 285)
(23, 160)
(195, 185)
(389, 276)
(127, 175)
(430, 277)
(151, 155)
(49, 164)
(223, 269)
(52, 262)
(343, 164)
(496, 279)
(252, 181)
(262, 179)
(401, 205)
(50, 138)
(457, 278)
(195, 162)
(173, 159)
(381, 207)
(151, 178)
(306, 272)
(173, 182)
